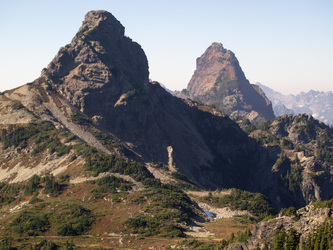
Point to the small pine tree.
(292, 240)
(278, 240)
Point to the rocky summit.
(219, 80)
(99, 55)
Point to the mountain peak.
(215, 53)
(219, 80)
(102, 20)
(216, 47)
(99, 14)
(99, 57)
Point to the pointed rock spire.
(219, 80)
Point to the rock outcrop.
(308, 219)
(99, 66)
(305, 166)
(219, 80)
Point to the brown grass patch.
(223, 228)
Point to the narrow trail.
(136, 185)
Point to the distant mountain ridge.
(317, 103)
(220, 81)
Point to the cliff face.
(305, 222)
(219, 80)
(99, 65)
(303, 171)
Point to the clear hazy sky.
(286, 44)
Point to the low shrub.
(30, 223)
(64, 178)
(17, 106)
(167, 207)
(31, 185)
(291, 211)
(80, 119)
(257, 204)
(148, 226)
(323, 204)
(8, 193)
(75, 220)
(51, 185)
(110, 184)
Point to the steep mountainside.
(307, 228)
(303, 171)
(317, 103)
(102, 76)
(219, 80)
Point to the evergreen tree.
(292, 240)
(321, 238)
(278, 240)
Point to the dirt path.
(136, 187)
(199, 232)
(206, 193)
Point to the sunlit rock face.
(219, 80)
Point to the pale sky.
(286, 45)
